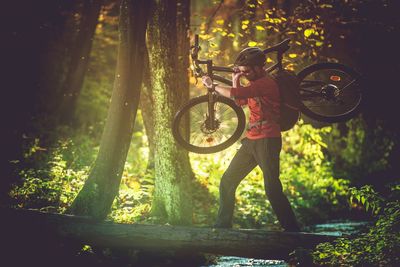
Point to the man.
(263, 142)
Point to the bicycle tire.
(324, 112)
(186, 140)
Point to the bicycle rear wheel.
(329, 92)
(193, 129)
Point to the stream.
(336, 228)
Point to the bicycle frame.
(280, 48)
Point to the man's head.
(251, 61)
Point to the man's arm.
(223, 90)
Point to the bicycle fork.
(210, 120)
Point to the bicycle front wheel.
(195, 130)
(329, 92)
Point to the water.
(228, 261)
(336, 228)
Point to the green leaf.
(308, 32)
(252, 43)
(260, 28)
(220, 21)
(363, 200)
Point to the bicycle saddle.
(281, 48)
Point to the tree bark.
(183, 46)
(146, 104)
(173, 175)
(102, 185)
(28, 225)
(146, 99)
(79, 59)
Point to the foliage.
(367, 197)
(133, 202)
(56, 174)
(350, 149)
(260, 24)
(377, 247)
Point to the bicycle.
(328, 92)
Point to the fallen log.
(254, 243)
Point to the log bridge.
(255, 243)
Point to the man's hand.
(207, 81)
(236, 79)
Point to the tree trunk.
(102, 186)
(79, 59)
(172, 197)
(183, 46)
(146, 104)
(146, 98)
(28, 226)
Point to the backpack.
(289, 89)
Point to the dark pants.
(265, 153)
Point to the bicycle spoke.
(309, 93)
(199, 110)
(311, 83)
(206, 134)
(195, 138)
(348, 84)
(197, 117)
(223, 111)
(212, 140)
(204, 140)
(229, 112)
(217, 138)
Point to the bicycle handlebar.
(198, 71)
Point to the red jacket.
(262, 97)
